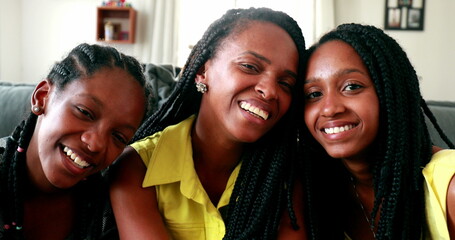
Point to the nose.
(94, 140)
(267, 88)
(332, 105)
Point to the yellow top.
(185, 206)
(438, 173)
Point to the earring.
(201, 87)
(36, 109)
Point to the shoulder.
(447, 162)
(126, 169)
(440, 159)
(439, 171)
(442, 171)
(171, 136)
(438, 174)
(147, 142)
(144, 148)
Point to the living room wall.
(431, 51)
(36, 33)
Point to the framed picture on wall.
(404, 15)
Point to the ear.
(200, 75)
(40, 95)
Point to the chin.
(338, 154)
(60, 185)
(248, 138)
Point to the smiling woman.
(338, 85)
(365, 143)
(84, 110)
(50, 182)
(216, 160)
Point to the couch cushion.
(444, 113)
(14, 104)
(161, 80)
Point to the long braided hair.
(259, 192)
(82, 62)
(403, 145)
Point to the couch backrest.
(445, 115)
(15, 103)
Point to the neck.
(360, 172)
(214, 160)
(213, 151)
(361, 185)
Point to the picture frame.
(404, 15)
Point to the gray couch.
(444, 112)
(15, 97)
(15, 102)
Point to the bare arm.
(285, 231)
(135, 208)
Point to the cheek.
(309, 116)
(374, 122)
(371, 119)
(286, 103)
(111, 154)
(286, 100)
(50, 128)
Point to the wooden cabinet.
(123, 20)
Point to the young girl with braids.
(82, 116)
(364, 109)
(218, 153)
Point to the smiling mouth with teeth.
(254, 110)
(75, 158)
(338, 129)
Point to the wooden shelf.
(124, 20)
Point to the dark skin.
(59, 211)
(212, 175)
(359, 227)
(141, 197)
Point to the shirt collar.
(172, 155)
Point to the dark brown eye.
(85, 113)
(120, 138)
(313, 95)
(249, 67)
(352, 87)
(288, 82)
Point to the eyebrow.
(93, 98)
(268, 61)
(337, 74)
(101, 105)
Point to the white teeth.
(76, 159)
(338, 129)
(81, 162)
(254, 110)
